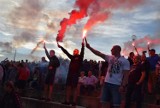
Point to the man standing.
(118, 66)
(153, 60)
(73, 73)
(53, 65)
(135, 82)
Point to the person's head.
(131, 54)
(26, 61)
(43, 59)
(136, 59)
(152, 52)
(89, 73)
(116, 49)
(143, 57)
(144, 52)
(9, 86)
(52, 53)
(75, 52)
(22, 65)
(82, 73)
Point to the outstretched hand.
(83, 42)
(59, 46)
(87, 45)
(44, 45)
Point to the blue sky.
(24, 23)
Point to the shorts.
(50, 78)
(72, 81)
(110, 93)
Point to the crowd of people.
(137, 74)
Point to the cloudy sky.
(24, 24)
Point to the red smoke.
(96, 10)
(96, 18)
(141, 44)
(101, 10)
(74, 16)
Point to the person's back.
(43, 67)
(23, 73)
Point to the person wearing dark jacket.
(11, 99)
(73, 73)
(135, 81)
(53, 65)
(130, 58)
(145, 63)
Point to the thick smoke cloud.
(97, 11)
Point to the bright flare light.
(84, 33)
(135, 48)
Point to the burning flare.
(148, 45)
(84, 33)
(135, 48)
(38, 44)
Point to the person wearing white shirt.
(91, 82)
(117, 70)
(81, 83)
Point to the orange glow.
(84, 33)
(38, 44)
(122, 53)
(43, 41)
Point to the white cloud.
(1, 55)
(121, 26)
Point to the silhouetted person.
(130, 58)
(73, 73)
(11, 99)
(118, 66)
(53, 65)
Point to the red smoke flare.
(74, 16)
(84, 34)
(96, 10)
(37, 46)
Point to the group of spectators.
(137, 75)
(147, 70)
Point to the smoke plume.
(141, 44)
(96, 10)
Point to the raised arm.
(98, 53)
(82, 49)
(64, 50)
(46, 51)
